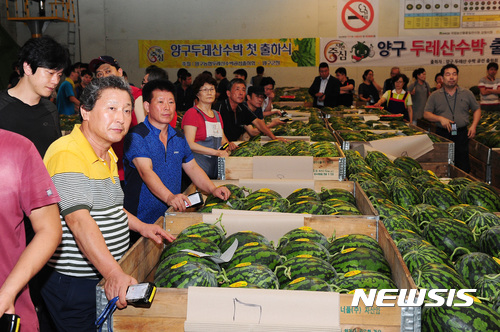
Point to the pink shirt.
(194, 118)
(25, 185)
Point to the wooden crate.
(445, 170)
(324, 168)
(443, 151)
(169, 308)
(478, 168)
(480, 151)
(362, 201)
(494, 168)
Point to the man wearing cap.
(255, 99)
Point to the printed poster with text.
(285, 52)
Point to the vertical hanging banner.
(358, 18)
(285, 52)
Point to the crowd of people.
(86, 196)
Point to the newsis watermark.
(409, 298)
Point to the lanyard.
(106, 313)
(454, 103)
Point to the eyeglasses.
(206, 90)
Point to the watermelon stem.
(455, 251)
(222, 277)
(219, 221)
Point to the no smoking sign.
(357, 15)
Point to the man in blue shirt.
(67, 103)
(155, 155)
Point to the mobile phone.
(10, 323)
(195, 199)
(141, 293)
(224, 146)
(453, 129)
(285, 119)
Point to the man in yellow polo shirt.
(95, 224)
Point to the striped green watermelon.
(407, 244)
(305, 266)
(351, 259)
(309, 207)
(191, 242)
(392, 171)
(418, 172)
(363, 279)
(354, 241)
(400, 222)
(437, 276)
(380, 165)
(254, 274)
(373, 156)
(400, 234)
(406, 196)
(368, 184)
(480, 222)
(489, 242)
(339, 207)
(388, 209)
(267, 204)
(187, 274)
(443, 198)
(337, 193)
(304, 246)
(301, 194)
(457, 184)
(449, 234)
(361, 177)
(254, 253)
(476, 318)
(210, 231)
(422, 254)
(464, 211)
(474, 265)
(243, 238)
(407, 164)
(263, 192)
(426, 212)
(235, 190)
(425, 182)
(376, 193)
(180, 257)
(207, 208)
(488, 287)
(308, 283)
(478, 194)
(362, 168)
(303, 233)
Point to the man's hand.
(232, 146)
(156, 233)
(178, 202)
(322, 98)
(472, 132)
(7, 303)
(116, 285)
(222, 153)
(445, 123)
(221, 192)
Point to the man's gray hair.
(94, 90)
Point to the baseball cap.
(258, 90)
(94, 64)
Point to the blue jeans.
(71, 302)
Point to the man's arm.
(150, 231)
(48, 231)
(190, 133)
(445, 123)
(202, 181)
(476, 117)
(91, 243)
(155, 185)
(261, 125)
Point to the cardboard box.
(283, 167)
(169, 308)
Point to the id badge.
(453, 129)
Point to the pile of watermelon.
(289, 148)
(335, 201)
(488, 130)
(304, 259)
(447, 233)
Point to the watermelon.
(351, 259)
(187, 274)
(474, 265)
(354, 241)
(304, 246)
(235, 190)
(305, 266)
(478, 317)
(243, 238)
(406, 195)
(254, 253)
(207, 208)
(264, 203)
(443, 198)
(464, 211)
(339, 207)
(191, 242)
(422, 254)
(426, 212)
(373, 156)
(407, 164)
(376, 193)
(308, 284)
(180, 257)
(303, 233)
(254, 274)
(488, 287)
(407, 244)
(479, 194)
(400, 222)
(489, 242)
(300, 194)
(448, 234)
(392, 171)
(361, 177)
(480, 222)
(400, 234)
(458, 184)
(437, 276)
(363, 279)
(388, 209)
(263, 192)
(209, 231)
(309, 207)
(337, 193)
